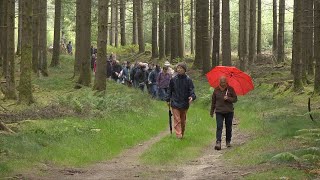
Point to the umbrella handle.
(227, 92)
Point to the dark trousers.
(228, 121)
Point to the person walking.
(180, 95)
(223, 98)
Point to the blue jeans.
(162, 93)
(228, 121)
(154, 90)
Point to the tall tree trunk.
(275, 29)
(192, 26)
(259, 28)
(18, 52)
(216, 34)
(100, 78)
(297, 57)
(85, 34)
(140, 26)
(116, 27)
(242, 33)
(168, 29)
(2, 45)
(211, 26)
(174, 30)
(226, 42)
(25, 87)
(123, 22)
(134, 22)
(112, 20)
(281, 31)
(252, 32)
(310, 33)
(183, 48)
(35, 36)
(56, 42)
(179, 30)
(155, 52)
(10, 78)
(77, 61)
(206, 65)
(43, 65)
(317, 46)
(198, 63)
(5, 38)
(161, 29)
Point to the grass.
(280, 173)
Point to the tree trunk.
(192, 26)
(211, 26)
(25, 87)
(123, 22)
(317, 46)
(182, 30)
(140, 26)
(10, 78)
(77, 61)
(226, 42)
(100, 77)
(310, 32)
(18, 52)
(161, 29)
(259, 28)
(281, 31)
(4, 39)
(112, 25)
(85, 40)
(116, 24)
(155, 52)
(205, 36)
(275, 29)
(198, 62)
(134, 22)
(35, 36)
(242, 33)
(297, 58)
(168, 29)
(180, 53)
(43, 65)
(252, 32)
(2, 45)
(56, 42)
(174, 30)
(216, 34)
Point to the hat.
(182, 65)
(167, 63)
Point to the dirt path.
(127, 166)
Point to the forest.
(62, 116)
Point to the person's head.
(150, 66)
(167, 63)
(69, 42)
(128, 64)
(165, 69)
(223, 81)
(181, 68)
(158, 68)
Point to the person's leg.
(219, 120)
(183, 115)
(177, 122)
(228, 122)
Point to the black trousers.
(227, 117)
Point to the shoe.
(228, 144)
(217, 146)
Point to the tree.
(192, 26)
(281, 31)
(242, 33)
(56, 42)
(216, 34)
(198, 63)
(35, 36)
(19, 29)
(297, 56)
(84, 42)
(2, 45)
(259, 28)
(123, 22)
(226, 42)
(162, 29)
(10, 92)
(77, 61)
(206, 65)
(43, 65)
(112, 25)
(168, 29)
(155, 52)
(180, 52)
(4, 39)
(275, 29)
(252, 32)
(25, 87)
(100, 78)
(317, 46)
(116, 24)
(134, 22)
(140, 26)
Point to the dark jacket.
(116, 69)
(140, 76)
(180, 89)
(218, 103)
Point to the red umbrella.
(240, 81)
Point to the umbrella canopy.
(240, 81)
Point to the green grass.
(280, 173)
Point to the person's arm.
(232, 95)
(191, 91)
(213, 103)
(169, 93)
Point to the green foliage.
(285, 157)
(280, 173)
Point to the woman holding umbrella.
(223, 98)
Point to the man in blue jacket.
(179, 97)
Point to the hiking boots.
(218, 145)
(228, 144)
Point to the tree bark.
(161, 29)
(192, 26)
(35, 36)
(206, 65)
(140, 26)
(112, 25)
(57, 26)
(4, 39)
(134, 23)
(100, 77)
(168, 30)
(123, 22)
(216, 34)
(155, 52)
(252, 33)
(281, 31)
(25, 87)
(183, 47)
(242, 33)
(116, 24)
(259, 28)
(174, 30)
(85, 40)
(198, 62)
(18, 52)
(179, 30)
(77, 61)
(43, 65)
(317, 46)
(297, 57)
(226, 42)
(1, 34)
(275, 29)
